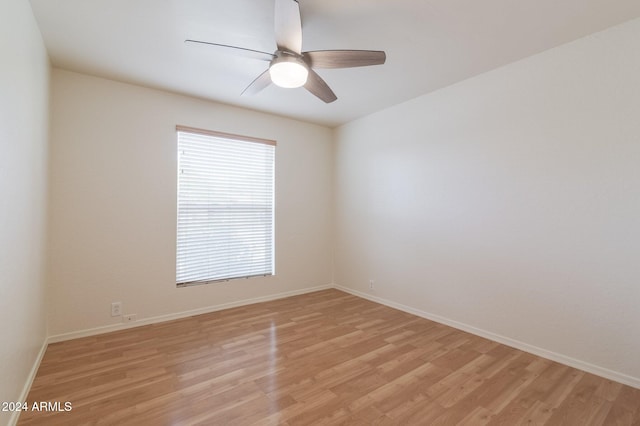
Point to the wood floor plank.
(325, 358)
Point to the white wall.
(113, 208)
(24, 117)
(509, 202)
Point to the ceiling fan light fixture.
(288, 72)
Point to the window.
(225, 206)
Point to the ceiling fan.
(289, 66)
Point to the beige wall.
(24, 93)
(113, 210)
(508, 203)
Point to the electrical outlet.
(129, 318)
(370, 284)
(116, 309)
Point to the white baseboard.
(13, 420)
(544, 353)
(184, 314)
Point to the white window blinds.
(225, 206)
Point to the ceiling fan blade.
(248, 53)
(344, 58)
(316, 85)
(288, 26)
(261, 82)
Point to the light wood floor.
(321, 358)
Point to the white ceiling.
(429, 44)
